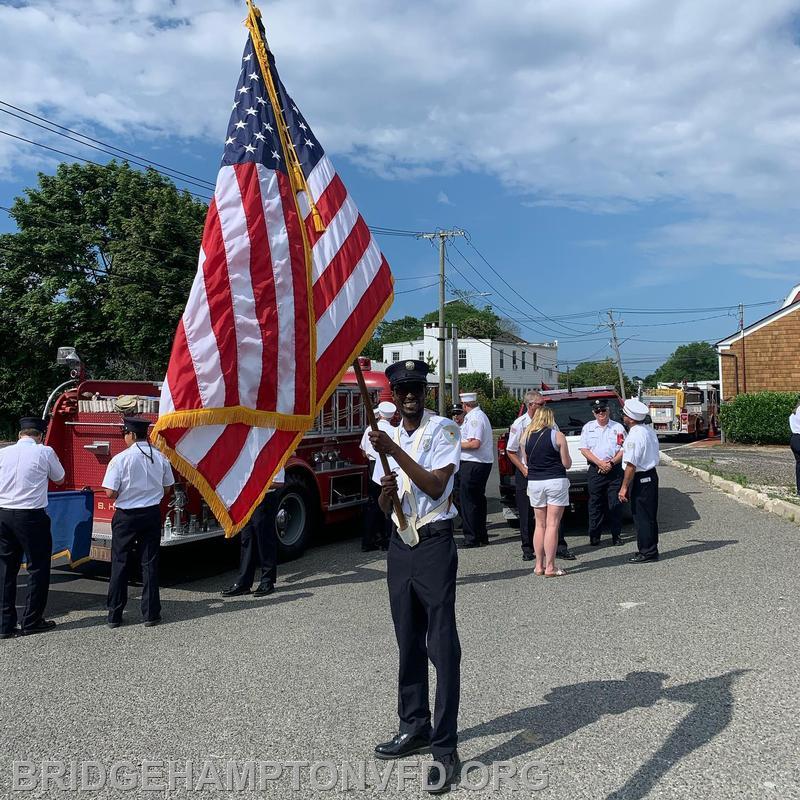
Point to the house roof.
(790, 305)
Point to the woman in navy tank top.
(547, 459)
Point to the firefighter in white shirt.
(25, 469)
(136, 479)
(601, 445)
(477, 457)
(640, 484)
(376, 527)
(424, 454)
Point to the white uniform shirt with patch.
(25, 469)
(138, 481)
(640, 448)
(515, 434)
(439, 446)
(794, 420)
(602, 439)
(476, 425)
(366, 445)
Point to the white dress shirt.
(794, 420)
(476, 425)
(138, 481)
(603, 440)
(25, 469)
(439, 446)
(366, 444)
(640, 448)
(515, 434)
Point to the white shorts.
(552, 492)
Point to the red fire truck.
(325, 477)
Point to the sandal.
(559, 573)
(536, 572)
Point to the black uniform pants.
(472, 487)
(644, 504)
(794, 443)
(260, 544)
(604, 505)
(422, 595)
(24, 531)
(138, 528)
(376, 527)
(527, 520)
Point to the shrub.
(501, 410)
(758, 418)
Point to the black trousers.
(24, 531)
(260, 544)
(140, 529)
(472, 488)
(527, 520)
(644, 504)
(605, 508)
(376, 527)
(794, 443)
(422, 595)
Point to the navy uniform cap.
(136, 425)
(410, 371)
(456, 409)
(599, 403)
(32, 423)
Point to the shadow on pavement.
(567, 709)
(682, 513)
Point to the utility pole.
(744, 355)
(454, 355)
(442, 236)
(612, 325)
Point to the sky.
(632, 155)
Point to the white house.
(520, 365)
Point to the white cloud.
(595, 105)
(443, 199)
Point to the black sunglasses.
(600, 410)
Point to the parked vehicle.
(325, 477)
(684, 409)
(572, 411)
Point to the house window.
(395, 356)
(513, 359)
(535, 360)
(502, 364)
(523, 359)
(421, 355)
(462, 358)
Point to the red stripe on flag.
(181, 376)
(302, 335)
(263, 282)
(330, 362)
(341, 267)
(264, 466)
(216, 463)
(328, 206)
(172, 435)
(220, 304)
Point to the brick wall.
(771, 358)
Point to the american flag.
(278, 310)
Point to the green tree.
(480, 382)
(103, 259)
(598, 373)
(696, 361)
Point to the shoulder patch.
(451, 432)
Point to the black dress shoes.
(404, 744)
(151, 623)
(594, 541)
(42, 626)
(442, 774)
(264, 588)
(11, 634)
(114, 624)
(468, 545)
(235, 590)
(566, 554)
(616, 540)
(641, 559)
(528, 556)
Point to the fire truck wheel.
(294, 519)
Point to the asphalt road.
(670, 680)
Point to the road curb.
(750, 497)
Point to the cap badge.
(409, 365)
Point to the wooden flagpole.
(398, 508)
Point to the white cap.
(469, 397)
(635, 409)
(387, 409)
